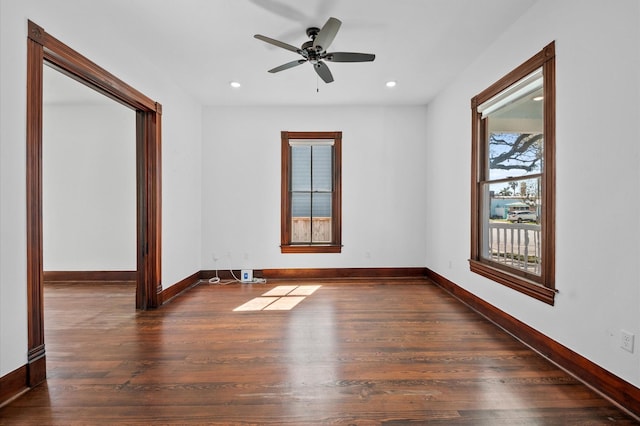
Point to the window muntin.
(311, 192)
(513, 195)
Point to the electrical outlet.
(246, 275)
(626, 342)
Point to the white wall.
(89, 187)
(238, 179)
(597, 250)
(86, 31)
(383, 186)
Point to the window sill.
(301, 248)
(537, 291)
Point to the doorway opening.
(88, 184)
(43, 48)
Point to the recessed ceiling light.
(391, 83)
(235, 84)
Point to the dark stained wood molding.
(35, 33)
(37, 366)
(536, 61)
(42, 48)
(611, 386)
(541, 287)
(227, 274)
(13, 385)
(93, 276)
(35, 320)
(311, 248)
(149, 196)
(320, 273)
(180, 287)
(549, 187)
(335, 246)
(342, 273)
(78, 67)
(534, 290)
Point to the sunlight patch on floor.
(281, 290)
(304, 290)
(257, 304)
(280, 298)
(284, 303)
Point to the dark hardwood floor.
(377, 352)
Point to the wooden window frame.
(543, 288)
(335, 246)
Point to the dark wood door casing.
(43, 48)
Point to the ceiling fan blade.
(277, 43)
(349, 57)
(323, 71)
(326, 35)
(287, 65)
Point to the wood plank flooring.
(367, 352)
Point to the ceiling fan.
(315, 50)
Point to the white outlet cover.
(246, 275)
(626, 341)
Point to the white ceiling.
(205, 44)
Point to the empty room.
(319, 212)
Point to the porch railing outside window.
(516, 245)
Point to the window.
(513, 172)
(311, 192)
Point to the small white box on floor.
(246, 275)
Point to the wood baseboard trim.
(227, 274)
(621, 392)
(36, 367)
(181, 286)
(344, 273)
(13, 385)
(320, 273)
(94, 276)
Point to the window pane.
(322, 164)
(514, 154)
(301, 204)
(516, 137)
(321, 222)
(311, 182)
(321, 204)
(511, 230)
(301, 217)
(311, 218)
(301, 168)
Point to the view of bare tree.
(523, 152)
